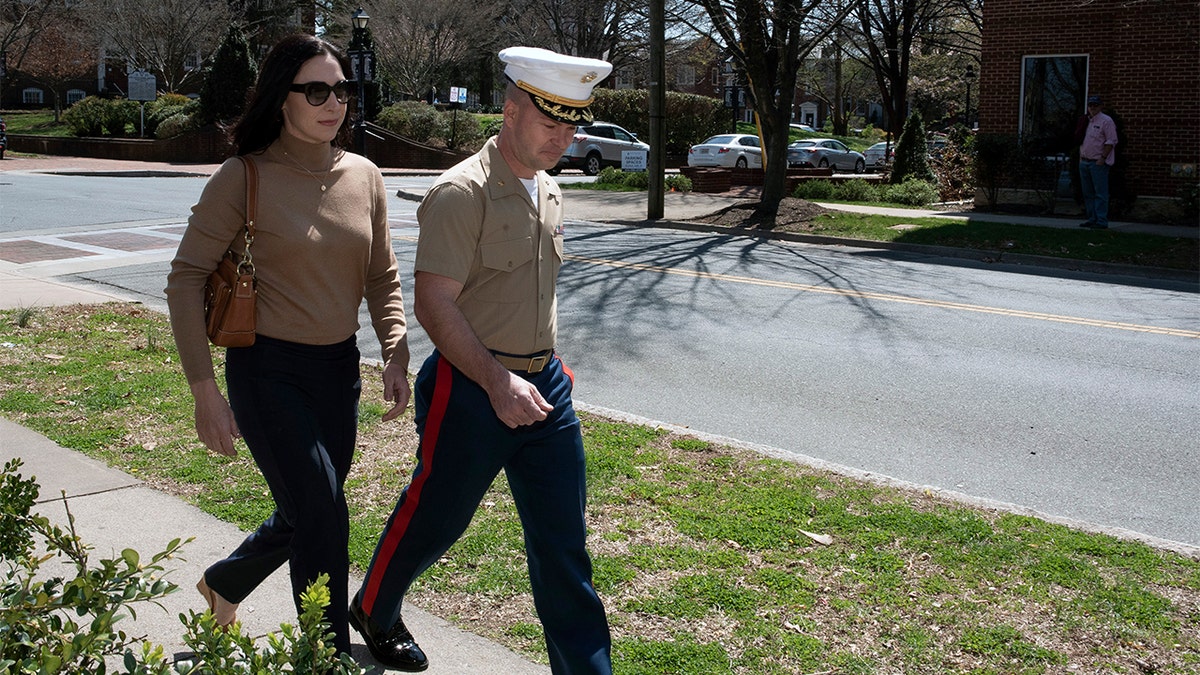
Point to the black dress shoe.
(395, 648)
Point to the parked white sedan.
(728, 150)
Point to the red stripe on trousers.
(566, 370)
(394, 533)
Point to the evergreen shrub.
(119, 113)
(164, 107)
(855, 190)
(610, 175)
(678, 182)
(462, 128)
(180, 122)
(415, 120)
(86, 117)
(813, 189)
(912, 154)
(911, 192)
(228, 78)
(637, 179)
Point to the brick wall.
(1143, 58)
(208, 146)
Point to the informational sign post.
(142, 87)
(458, 99)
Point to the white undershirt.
(531, 186)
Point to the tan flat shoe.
(223, 611)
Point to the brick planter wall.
(707, 180)
(208, 146)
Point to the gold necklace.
(295, 161)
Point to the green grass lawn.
(709, 559)
(35, 122)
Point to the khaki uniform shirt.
(479, 227)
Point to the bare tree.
(169, 38)
(768, 40)
(419, 42)
(613, 30)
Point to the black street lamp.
(968, 76)
(360, 58)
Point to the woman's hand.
(214, 419)
(395, 390)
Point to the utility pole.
(658, 138)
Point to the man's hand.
(396, 390)
(215, 425)
(517, 402)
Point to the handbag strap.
(246, 266)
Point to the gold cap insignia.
(589, 77)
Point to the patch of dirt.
(794, 215)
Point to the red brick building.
(1041, 59)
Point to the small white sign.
(633, 160)
(142, 86)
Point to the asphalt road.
(1069, 394)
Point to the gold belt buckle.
(538, 363)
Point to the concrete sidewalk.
(114, 511)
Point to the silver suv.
(596, 146)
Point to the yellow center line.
(809, 288)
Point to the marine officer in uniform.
(494, 395)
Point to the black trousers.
(297, 408)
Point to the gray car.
(596, 146)
(825, 152)
(880, 153)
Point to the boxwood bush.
(86, 117)
(418, 121)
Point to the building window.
(1053, 89)
(192, 61)
(624, 79)
(32, 96)
(685, 76)
(75, 96)
(716, 77)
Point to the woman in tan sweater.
(321, 246)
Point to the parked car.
(802, 127)
(823, 152)
(936, 143)
(729, 150)
(3, 137)
(875, 154)
(596, 146)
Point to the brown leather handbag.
(231, 292)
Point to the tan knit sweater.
(316, 254)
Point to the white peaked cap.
(560, 85)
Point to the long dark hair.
(262, 122)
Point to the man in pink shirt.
(1095, 158)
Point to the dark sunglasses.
(316, 93)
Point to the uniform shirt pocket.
(507, 273)
(506, 256)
